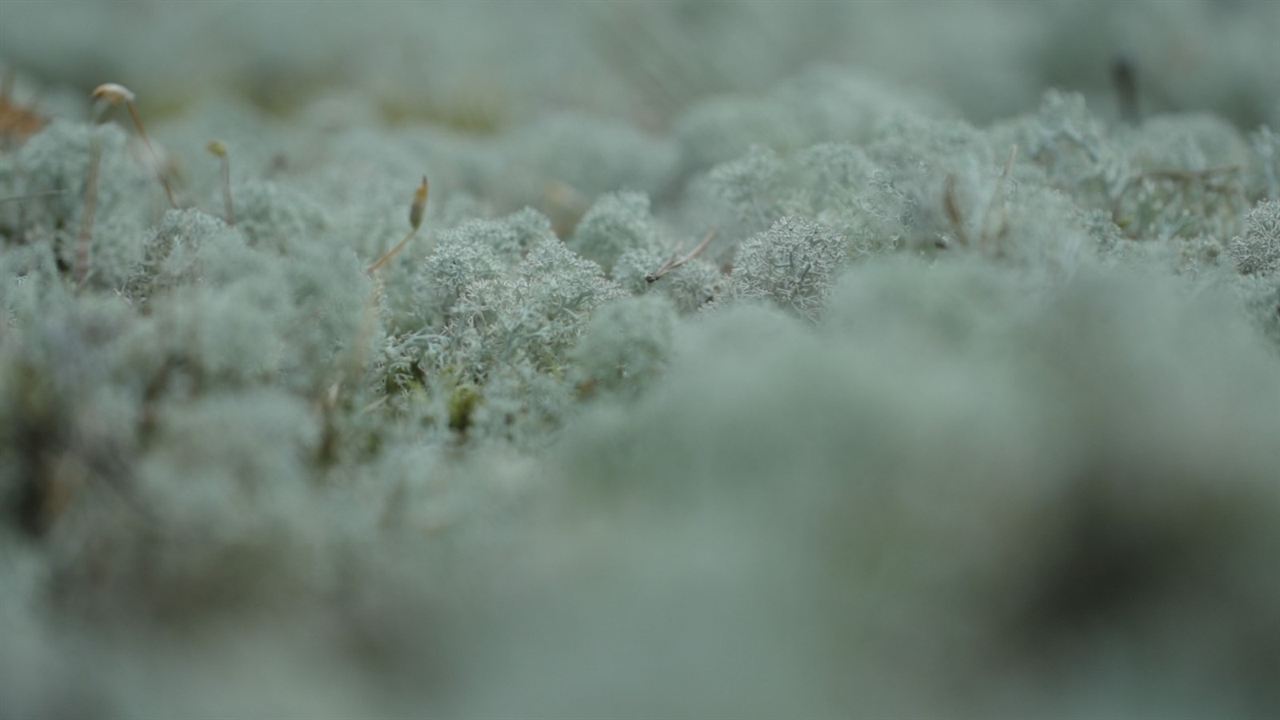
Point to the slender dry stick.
(219, 149)
(85, 237)
(672, 263)
(368, 324)
(116, 94)
(388, 255)
(369, 319)
(1008, 164)
(997, 198)
(664, 268)
(155, 157)
(952, 207)
(416, 211)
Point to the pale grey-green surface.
(969, 407)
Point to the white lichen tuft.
(1257, 251)
(792, 264)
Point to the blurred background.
(969, 492)
(483, 64)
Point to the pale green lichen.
(966, 407)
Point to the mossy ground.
(969, 407)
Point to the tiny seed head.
(419, 204)
(113, 93)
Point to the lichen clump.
(936, 378)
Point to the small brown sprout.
(952, 207)
(673, 263)
(419, 205)
(416, 211)
(219, 150)
(115, 94)
(84, 239)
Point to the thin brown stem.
(951, 205)
(673, 263)
(997, 200)
(155, 156)
(219, 150)
(388, 255)
(84, 239)
(417, 211)
(226, 191)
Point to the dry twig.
(84, 239)
(672, 263)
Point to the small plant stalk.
(219, 149)
(161, 175)
(989, 233)
(951, 205)
(115, 94)
(673, 263)
(84, 239)
(416, 212)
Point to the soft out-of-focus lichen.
(750, 359)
